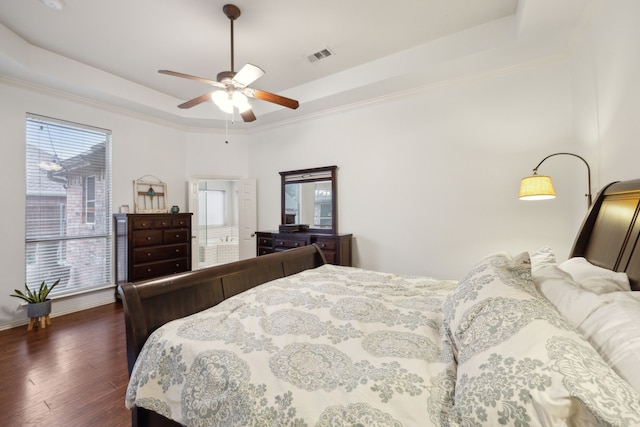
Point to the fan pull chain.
(226, 129)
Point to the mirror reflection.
(308, 203)
(308, 198)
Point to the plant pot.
(39, 309)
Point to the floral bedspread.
(340, 346)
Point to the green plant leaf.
(18, 294)
(41, 291)
(32, 296)
(38, 296)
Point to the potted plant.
(38, 305)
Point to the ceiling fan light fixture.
(223, 100)
(227, 101)
(240, 101)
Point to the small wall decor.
(150, 196)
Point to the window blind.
(68, 205)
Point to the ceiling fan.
(233, 88)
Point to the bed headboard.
(609, 233)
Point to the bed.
(288, 340)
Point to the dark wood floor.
(73, 373)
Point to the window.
(90, 200)
(212, 207)
(68, 205)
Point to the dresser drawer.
(289, 243)
(263, 250)
(163, 268)
(336, 248)
(265, 241)
(330, 256)
(147, 237)
(175, 236)
(142, 223)
(326, 244)
(162, 223)
(156, 253)
(328, 248)
(180, 222)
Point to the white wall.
(410, 168)
(140, 147)
(606, 77)
(428, 183)
(217, 153)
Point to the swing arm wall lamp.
(540, 187)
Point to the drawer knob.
(177, 235)
(281, 243)
(148, 237)
(177, 265)
(323, 245)
(148, 270)
(177, 250)
(148, 253)
(144, 224)
(164, 223)
(297, 244)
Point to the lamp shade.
(536, 187)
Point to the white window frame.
(60, 241)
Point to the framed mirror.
(309, 198)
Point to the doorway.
(224, 220)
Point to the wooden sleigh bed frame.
(152, 303)
(609, 233)
(607, 238)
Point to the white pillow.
(604, 285)
(595, 278)
(542, 257)
(570, 299)
(614, 331)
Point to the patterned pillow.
(520, 362)
(495, 280)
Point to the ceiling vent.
(324, 53)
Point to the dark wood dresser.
(336, 247)
(151, 245)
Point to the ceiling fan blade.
(196, 101)
(247, 75)
(248, 115)
(190, 77)
(272, 97)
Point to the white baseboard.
(108, 298)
